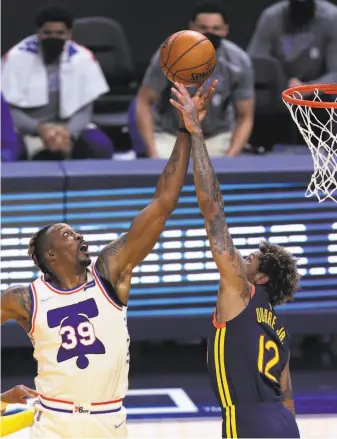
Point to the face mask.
(52, 48)
(214, 39)
(301, 12)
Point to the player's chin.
(85, 260)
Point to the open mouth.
(84, 247)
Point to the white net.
(318, 127)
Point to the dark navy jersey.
(246, 357)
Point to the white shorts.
(52, 425)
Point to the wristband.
(3, 405)
(183, 130)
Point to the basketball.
(187, 57)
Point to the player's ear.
(261, 279)
(50, 256)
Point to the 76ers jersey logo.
(76, 331)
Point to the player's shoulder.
(17, 299)
(235, 53)
(14, 291)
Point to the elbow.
(166, 205)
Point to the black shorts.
(265, 420)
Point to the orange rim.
(287, 95)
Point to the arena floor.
(311, 426)
(183, 406)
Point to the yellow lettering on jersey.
(270, 316)
(263, 315)
(273, 323)
(281, 334)
(258, 315)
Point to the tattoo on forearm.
(206, 176)
(171, 165)
(103, 261)
(169, 171)
(212, 205)
(207, 181)
(217, 227)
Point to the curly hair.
(37, 248)
(281, 268)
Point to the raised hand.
(192, 110)
(201, 99)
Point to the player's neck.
(67, 281)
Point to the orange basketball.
(187, 57)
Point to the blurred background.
(174, 289)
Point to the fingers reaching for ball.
(177, 94)
(176, 104)
(209, 92)
(200, 100)
(180, 92)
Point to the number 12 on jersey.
(264, 367)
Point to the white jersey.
(81, 342)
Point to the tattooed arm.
(234, 292)
(286, 389)
(228, 260)
(134, 246)
(16, 305)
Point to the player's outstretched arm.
(145, 230)
(134, 246)
(286, 389)
(16, 305)
(211, 203)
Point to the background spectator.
(229, 121)
(302, 35)
(50, 83)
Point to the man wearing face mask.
(50, 83)
(229, 121)
(302, 35)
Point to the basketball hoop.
(314, 110)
